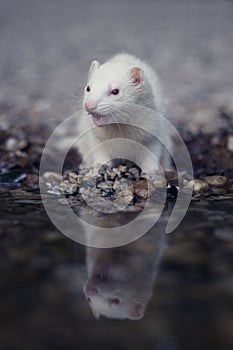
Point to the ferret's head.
(110, 87)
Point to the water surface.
(186, 278)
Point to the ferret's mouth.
(99, 120)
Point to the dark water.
(185, 278)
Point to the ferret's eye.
(88, 88)
(115, 92)
(114, 301)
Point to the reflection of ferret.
(120, 280)
(113, 91)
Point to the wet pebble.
(141, 188)
(133, 173)
(216, 180)
(106, 185)
(198, 186)
(124, 197)
(73, 177)
(110, 175)
(68, 187)
(122, 168)
(121, 185)
(52, 178)
(159, 182)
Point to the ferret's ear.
(93, 67)
(136, 74)
(137, 311)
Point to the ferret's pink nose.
(90, 105)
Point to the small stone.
(134, 173)
(83, 171)
(216, 180)
(198, 186)
(141, 188)
(84, 192)
(93, 172)
(230, 143)
(52, 177)
(117, 172)
(121, 185)
(124, 197)
(73, 177)
(90, 183)
(122, 168)
(68, 187)
(110, 175)
(159, 182)
(103, 169)
(106, 186)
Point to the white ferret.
(114, 97)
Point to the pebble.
(141, 188)
(106, 186)
(198, 186)
(159, 182)
(124, 197)
(68, 187)
(110, 175)
(122, 168)
(216, 180)
(92, 172)
(52, 178)
(134, 173)
(73, 177)
(121, 185)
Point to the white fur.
(125, 273)
(117, 74)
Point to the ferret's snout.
(90, 105)
(91, 291)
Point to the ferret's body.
(114, 91)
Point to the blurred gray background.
(46, 47)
